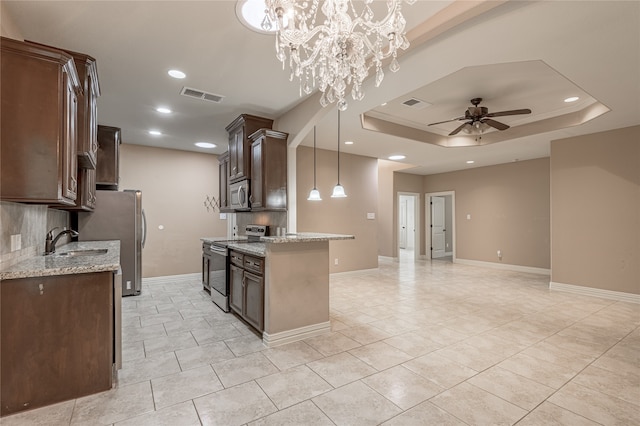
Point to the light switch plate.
(371, 216)
(16, 242)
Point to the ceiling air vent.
(416, 103)
(202, 95)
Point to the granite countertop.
(260, 249)
(305, 237)
(57, 264)
(255, 249)
(214, 239)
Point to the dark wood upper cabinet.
(240, 144)
(268, 170)
(108, 169)
(87, 107)
(223, 173)
(40, 87)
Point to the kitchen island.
(296, 284)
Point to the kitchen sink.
(86, 252)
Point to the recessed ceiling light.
(397, 157)
(383, 104)
(205, 145)
(177, 74)
(252, 15)
(163, 110)
(348, 142)
(571, 99)
(470, 162)
(155, 132)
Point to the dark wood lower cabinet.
(254, 300)
(57, 339)
(236, 290)
(246, 292)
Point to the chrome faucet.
(50, 241)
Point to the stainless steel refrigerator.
(119, 216)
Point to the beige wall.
(358, 175)
(174, 186)
(595, 210)
(385, 208)
(8, 28)
(509, 208)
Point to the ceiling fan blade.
(495, 124)
(447, 121)
(456, 131)
(512, 112)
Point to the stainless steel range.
(218, 262)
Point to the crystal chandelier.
(334, 52)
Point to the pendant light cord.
(338, 146)
(314, 157)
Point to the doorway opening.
(408, 226)
(440, 232)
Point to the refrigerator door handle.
(144, 228)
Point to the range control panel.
(256, 230)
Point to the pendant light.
(338, 190)
(314, 195)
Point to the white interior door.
(437, 227)
(402, 223)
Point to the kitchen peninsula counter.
(294, 284)
(56, 264)
(296, 279)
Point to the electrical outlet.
(499, 254)
(335, 261)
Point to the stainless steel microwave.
(239, 195)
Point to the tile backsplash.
(32, 223)
(273, 219)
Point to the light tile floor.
(412, 343)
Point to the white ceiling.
(593, 46)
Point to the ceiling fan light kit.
(478, 118)
(335, 49)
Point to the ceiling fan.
(476, 115)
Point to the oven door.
(218, 272)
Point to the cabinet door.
(57, 339)
(87, 111)
(205, 271)
(70, 169)
(254, 300)
(38, 131)
(257, 183)
(108, 168)
(236, 288)
(223, 179)
(236, 154)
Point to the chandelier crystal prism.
(331, 46)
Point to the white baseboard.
(172, 278)
(595, 292)
(389, 258)
(504, 266)
(356, 272)
(284, 337)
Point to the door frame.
(416, 223)
(427, 221)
